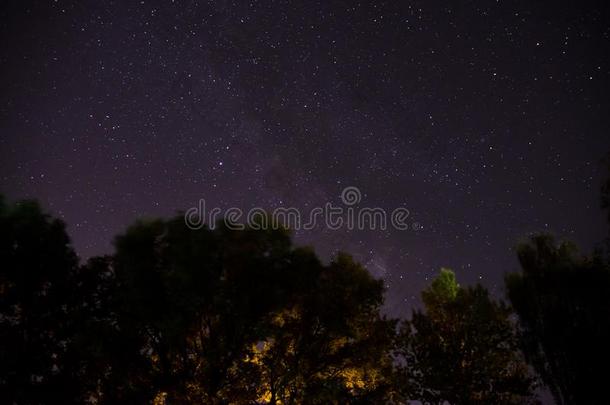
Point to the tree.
(242, 316)
(195, 301)
(563, 303)
(36, 275)
(184, 316)
(330, 345)
(462, 348)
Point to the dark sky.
(486, 119)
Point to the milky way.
(487, 120)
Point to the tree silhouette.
(184, 316)
(242, 316)
(563, 303)
(220, 315)
(330, 345)
(36, 303)
(462, 349)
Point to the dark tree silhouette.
(37, 266)
(184, 316)
(242, 316)
(330, 345)
(219, 316)
(462, 349)
(563, 303)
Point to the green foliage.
(462, 349)
(443, 290)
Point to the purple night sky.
(487, 120)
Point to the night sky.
(486, 119)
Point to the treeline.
(219, 316)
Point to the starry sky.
(486, 119)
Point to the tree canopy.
(219, 315)
(462, 349)
(184, 316)
(563, 303)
